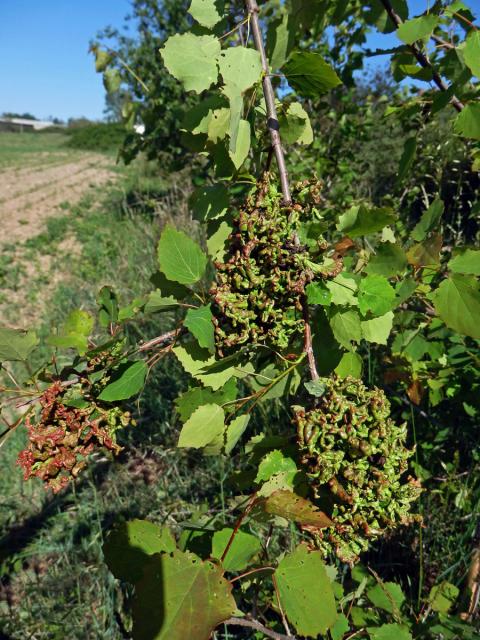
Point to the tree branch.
(272, 122)
(258, 626)
(422, 59)
(163, 340)
(308, 347)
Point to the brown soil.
(29, 196)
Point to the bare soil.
(28, 196)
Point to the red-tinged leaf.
(292, 507)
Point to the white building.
(23, 124)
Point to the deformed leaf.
(457, 302)
(15, 344)
(290, 506)
(180, 258)
(128, 545)
(179, 597)
(309, 74)
(127, 384)
(243, 548)
(204, 426)
(305, 592)
(192, 59)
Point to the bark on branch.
(422, 58)
(272, 122)
(258, 626)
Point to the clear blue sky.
(45, 67)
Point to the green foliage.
(97, 137)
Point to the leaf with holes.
(305, 592)
(180, 597)
(288, 505)
(180, 258)
(240, 66)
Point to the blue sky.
(45, 67)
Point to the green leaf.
(389, 632)
(219, 124)
(195, 397)
(309, 74)
(288, 505)
(209, 203)
(192, 60)
(129, 544)
(75, 332)
(102, 60)
(443, 596)
(457, 302)
(429, 220)
(207, 12)
(389, 260)
(408, 156)
(360, 221)
(346, 327)
(467, 123)
(229, 438)
(168, 288)
(240, 66)
(180, 597)
(377, 330)
(471, 52)
(112, 80)
(204, 425)
(387, 596)
(108, 303)
(242, 148)
(280, 40)
(202, 365)
(130, 382)
(318, 293)
(180, 258)
(16, 344)
(315, 388)
(427, 253)
(351, 364)
(295, 125)
(274, 462)
(235, 98)
(305, 592)
(157, 302)
(326, 349)
(343, 289)
(466, 262)
(375, 294)
(217, 245)
(200, 324)
(418, 28)
(244, 547)
(340, 627)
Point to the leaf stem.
(308, 347)
(238, 524)
(272, 121)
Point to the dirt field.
(30, 194)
